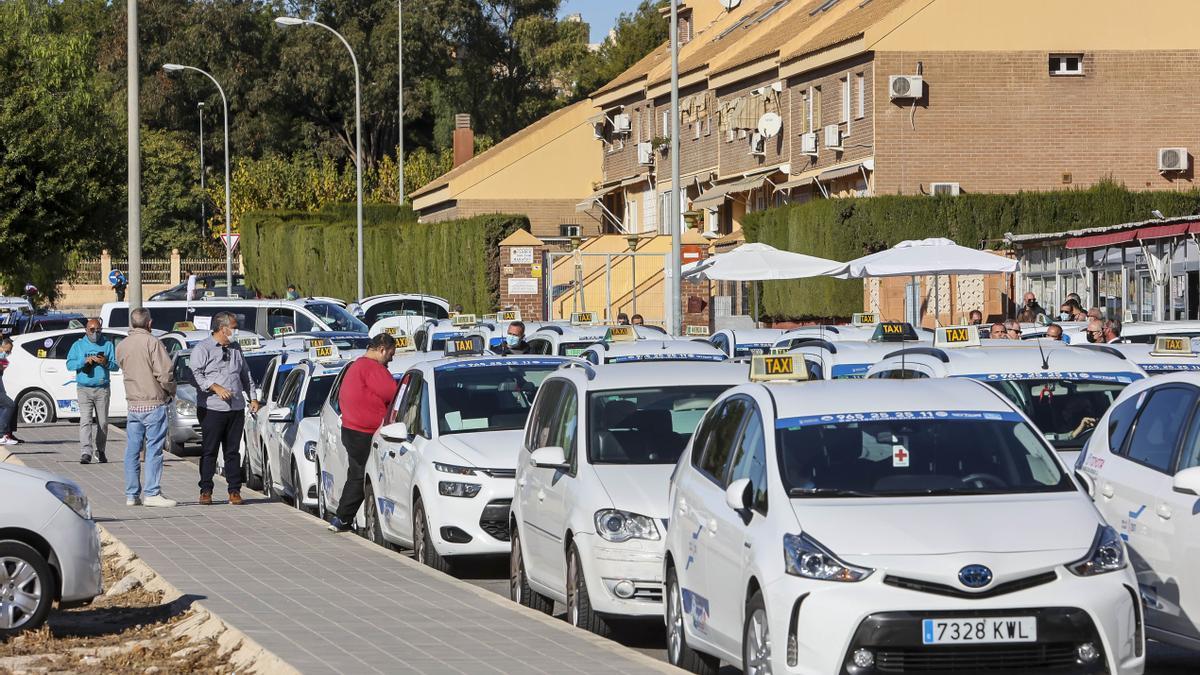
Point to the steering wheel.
(985, 478)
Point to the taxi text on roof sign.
(249, 342)
(768, 367)
(620, 334)
(701, 331)
(464, 320)
(894, 331)
(469, 345)
(864, 319)
(316, 342)
(323, 353)
(779, 350)
(510, 315)
(392, 330)
(956, 336)
(403, 344)
(582, 318)
(1170, 345)
(184, 326)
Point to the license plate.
(982, 630)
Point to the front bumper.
(469, 525)
(184, 430)
(607, 564)
(832, 620)
(76, 545)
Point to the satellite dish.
(730, 4)
(770, 124)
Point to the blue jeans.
(149, 428)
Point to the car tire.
(35, 407)
(34, 588)
(373, 526)
(252, 481)
(297, 490)
(322, 511)
(679, 654)
(425, 553)
(579, 603)
(518, 582)
(756, 638)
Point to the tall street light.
(400, 88)
(175, 67)
(134, 158)
(676, 286)
(203, 194)
(286, 21)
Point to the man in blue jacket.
(92, 357)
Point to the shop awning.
(839, 173)
(586, 204)
(715, 195)
(1147, 233)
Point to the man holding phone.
(92, 357)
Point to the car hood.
(640, 489)
(36, 474)
(485, 449)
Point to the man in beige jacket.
(149, 386)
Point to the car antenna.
(1045, 360)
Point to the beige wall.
(545, 215)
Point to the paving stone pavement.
(324, 603)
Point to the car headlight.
(72, 496)
(450, 468)
(616, 525)
(448, 488)
(310, 451)
(1107, 554)
(185, 408)
(804, 557)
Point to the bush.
(316, 251)
(844, 229)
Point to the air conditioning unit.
(944, 189)
(1172, 159)
(645, 154)
(758, 144)
(833, 137)
(808, 143)
(622, 124)
(906, 86)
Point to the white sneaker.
(7, 441)
(158, 500)
(133, 501)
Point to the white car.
(272, 318)
(439, 478)
(49, 548)
(591, 503)
(739, 343)
(646, 350)
(406, 311)
(865, 526)
(837, 360)
(1167, 354)
(38, 380)
(1143, 468)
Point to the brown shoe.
(235, 498)
(205, 498)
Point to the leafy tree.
(635, 35)
(171, 196)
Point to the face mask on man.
(512, 340)
(93, 337)
(1064, 316)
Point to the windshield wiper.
(828, 492)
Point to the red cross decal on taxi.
(900, 455)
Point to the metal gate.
(605, 283)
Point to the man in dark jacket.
(514, 341)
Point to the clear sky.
(600, 14)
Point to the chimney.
(464, 139)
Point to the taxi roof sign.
(700, 331)
(956, 336)
(249, 342)
(279, 331)
(489, 318)
(779, 350)
(620, 334)
(1171, 345)
(392, 330)
(864, 319)
(323, 353)
(463, 320)
(894, 331)
(509, 315)
(776, 367)
(184, 326)
(582, 318)
(404, 343)
(465, 345)
(316, 342)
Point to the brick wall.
(545, 215)
(998, 122)
(735, 157)
(696, 155)
(857, 136)
(530, 305)
(620, 154)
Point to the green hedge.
(316, 251)
(844, 229)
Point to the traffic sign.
(231, 241)
(115, 277)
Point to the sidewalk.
(324, 603)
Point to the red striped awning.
(1133, 234)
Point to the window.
(62, 347)
(816, 109)
(544, 409)
(332, 315)
(719, 444)
(414, 409)
(1066, 64)
(291, 390)
(277, 384)
(1121, 421)
(750, 461)
(899, 374)
(405, 307)
(860, 86)
(335, 403)
(281, 320)
(666, 124)
(808, 108)
(631, 219)
(1156, 433)
(472, 398)
(645, 426)
(1059, 407)
(845, 83)
(566, 424)
(1190, 456)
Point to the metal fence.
(154, 270)
(204, 266)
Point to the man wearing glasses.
(92, 357)
(222, 378)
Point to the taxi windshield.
(914, 454)
(645, 426)
(1066, 411)
(473, 398)
(317, 392)
(336, 317)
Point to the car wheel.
(252, 481)
(26, 588)
(297, 490)
(425, 553)
(679, 654)
(756, 638)
(36, 407)
(373, 526)
(579, 603)
(518, 584)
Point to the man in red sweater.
(366, 392)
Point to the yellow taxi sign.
(392, 330)
(464, 320)
(699, 331)
(249, 343)
(864, 318)
(184, 326)
(489, 318)
(770, 367)
(316, 342)
(323, 353)
(779, 350)
(621, 334)
(894, 331)
(956, 336)
(510, 315)
(582, 318)
(1172, 345)
(469, 345)
(404, 344)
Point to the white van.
(271, 318)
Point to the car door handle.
(712, 525)
(521, 482)
(541, 495)
(1164, 511)
(1107, 490)
(683, 508)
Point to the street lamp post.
(400, 88)
(203, 194)
(676, 286)
(175, 67)
(286, 21)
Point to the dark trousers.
(358, 448)
(220, 428)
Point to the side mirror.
(396, 432)
(1188, 481)
(737, 495)
(282, 414)
(551, 457)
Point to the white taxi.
(591, 502)
(1064, 389)
(861, 527)
(837, 360)
(1143, 468)
(646, 350)
(1167, 354)
(38, 380)
(439, 478)
(738, 343)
